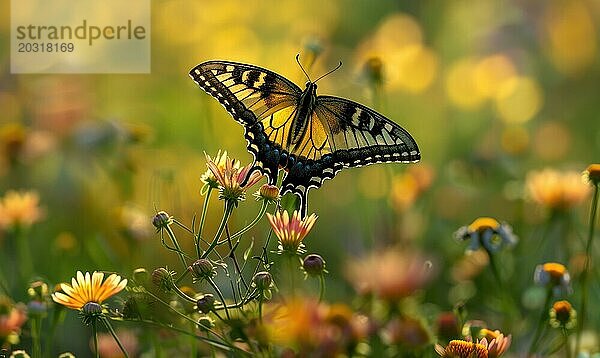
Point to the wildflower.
(390, 275)
(262, 280)
(19, 209)
(314, 265)
(202, 269)
(563, 315)
(89, 291)
(161, 220)
(498, 343)
(556, 190)
(233, 181)
(12, 318)
(553, 275)
(487, 232)
(291, 231)
(592, 174)
(269, 193)
(462, 349)
(208, 178)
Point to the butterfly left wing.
(260, 100)
(343, 134)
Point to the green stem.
(218, 291)
(25, 261)
(227, 212)
(292, 272)
(116, 338)
(36, 336)
(541, 322)
(567, 344)
(507, 300)
(321, 287)
(177, 247)
(585, 275)
(202, 220)
(233, 257)
(182, 294)
(261, 213)
(260, 304)
(95, 334)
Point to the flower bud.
(592, 173)
(268, 192)
(38, 290)
(140, 275)
(262, 280)
(161, 220)
(162, 278)
(202, 268)
(206, 303)
(205, 323)
(19, 354)
(313, 265)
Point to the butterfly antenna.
(302, 68)
(330, 72)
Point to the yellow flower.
(487, 232)
(19, 209)
(208, 177)
(553, 275)
(562, 314)
(88, 289)
(291, 231)
(390, 275)
(556, 190)
(233, 181)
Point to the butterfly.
(310, 137)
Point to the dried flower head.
(314, 265)
(291, 231)
(19, 209)
(563, 315)
(390, 274)
(487, 232)
(556, 190)
(161, 220)
(202, 269)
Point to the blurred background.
(494, 92)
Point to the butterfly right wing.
(261, 100)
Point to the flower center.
(464, 349)
(484, 223)
(555, 270)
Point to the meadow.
(130, 225)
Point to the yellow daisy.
(88, 288)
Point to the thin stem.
(292, 272)
(202, 220)
(36, 336)
(218, 291)
(227, 212)
(541, 322)
(261, 213)
(321, 287)
(507, 300)
(260, 308)
(95, 334)
(116, 338)
(24, 252)
(182, 294)
(234, 258)
(567, 344)
(585, 275)
(177, 247)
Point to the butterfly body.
(310, 137)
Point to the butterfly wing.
(344, 134)
(261, 100)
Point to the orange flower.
(88, 289)
(462, 349)
(12, 317)
(562, 314)
(291, 231)
(556, 190)
(19, 209)
(390, 274)
(592, 174)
